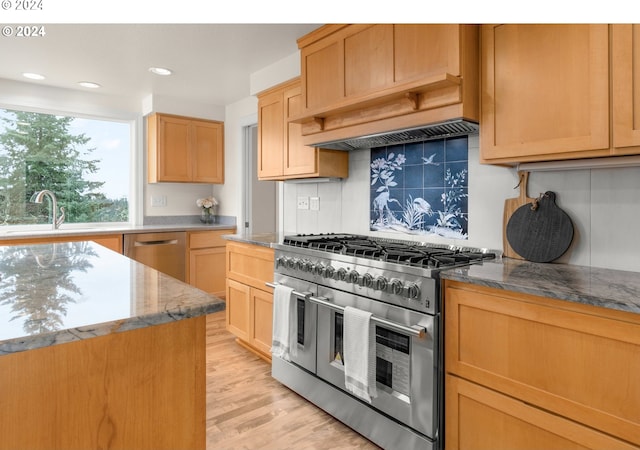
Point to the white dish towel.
(285, 321)
(359, 353)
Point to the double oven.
(398, 283)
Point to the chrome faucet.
(37, 198)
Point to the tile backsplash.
(602, 203)
(421, 188)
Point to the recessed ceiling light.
(89, 84)
(160, 71)
(33, 76)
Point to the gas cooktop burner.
(400, 252)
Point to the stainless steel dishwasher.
(165, 252)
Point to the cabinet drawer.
(577, 361)
(206, 239)
(480, 418)
(250, 264)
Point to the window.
(84, 162)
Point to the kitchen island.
(99, 351)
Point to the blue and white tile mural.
(421, 188)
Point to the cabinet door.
(207, 270)
(111, 242)
(238, 309)
(207, 152)
(368, 59)
(577, 363)
(545, 92)
(425, 50)
(262, 320)
(481, 418)
(322, 72)
(270, 135)
(173, 156)
(299, 159)
(625, 73)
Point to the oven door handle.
(414, 330)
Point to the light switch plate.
(314, 203)
(303, 202)
(158, 201)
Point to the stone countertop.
(56, 293)
(264, 240)
(67, 230)
(613, 289)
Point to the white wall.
(181, 197)
(231, 193)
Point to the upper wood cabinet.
(625, 75)
(401, 74)
(545, 92)
(184, 150)
(281, 154)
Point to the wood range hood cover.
(373, 85)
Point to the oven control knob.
(281, 261)
(381, 283)
(353, 277)
(413, 291)
(396, 286)
(297, 264)
(291, 263)
(306, 265)
(318, 269)
(366, 280)
(342, 274)
(329, 272)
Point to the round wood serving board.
(540, 234)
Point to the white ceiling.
(211, 62)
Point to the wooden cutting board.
(510, 206)
(542, 233)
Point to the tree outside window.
(75, 158)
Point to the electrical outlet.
(158, 201)
(303, 202)
(314, 203)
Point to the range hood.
(449, 128)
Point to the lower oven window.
(392, 359)
(301, 321)
(393, 351)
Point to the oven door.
(306, 325)
(405, 365)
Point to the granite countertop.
(264, 239)
(46, 231)
(56, 293)
(613, 289)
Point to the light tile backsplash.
(603, 204)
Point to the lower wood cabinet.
(481, 418)
(206, 261)
(531, 372)
(249, 301)
(111, 241)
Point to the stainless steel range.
(398, 283)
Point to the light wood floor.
(247, 409)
